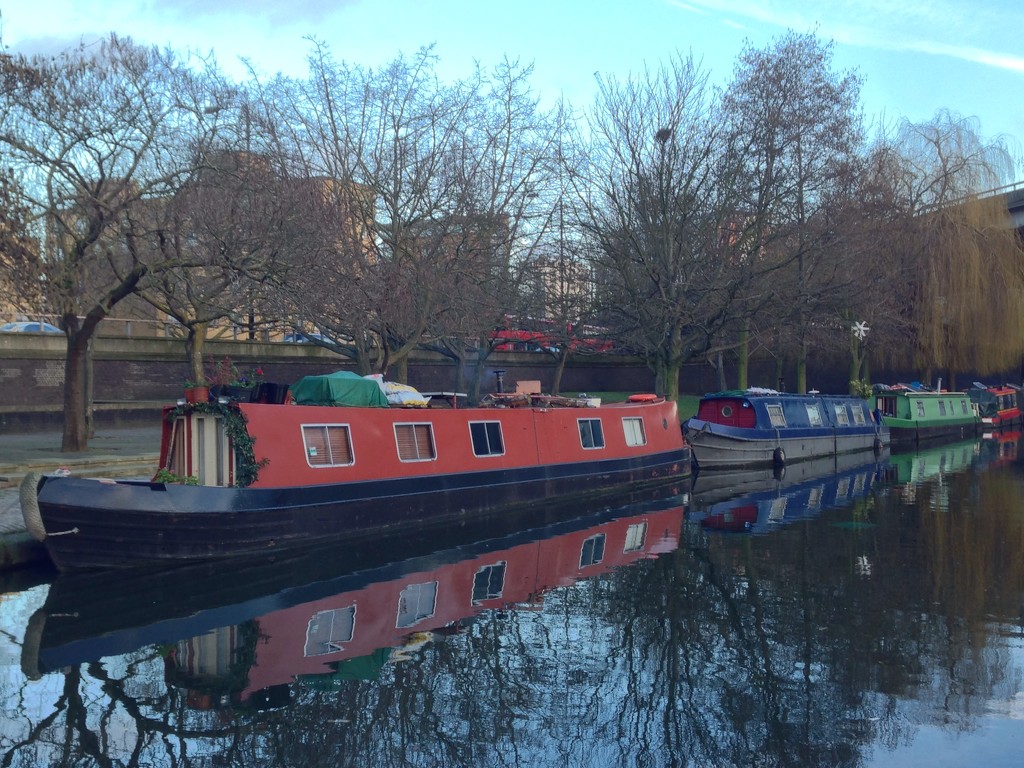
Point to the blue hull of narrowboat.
(716, 445)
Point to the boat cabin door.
(200, 449)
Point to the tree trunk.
(76, 436)
(743, 357)
(459, 379)
(194, 343)
(90, 426)
(780, 373)
(856, 361)
(801, 368)
(666, 381)
(364, 361)
(476, 385)
(556, 377)
(400, 370)
(720, 366)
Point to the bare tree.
(432, 187)
(378, 140)
(233, 227)
(657, 200)
(505, 167)
(96, 135)
(799, 125)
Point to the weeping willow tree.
(970, 300)
(959, 253)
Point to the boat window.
(636, 537)
(814, 414)
(486, 436)
(592, 552)
(591, 434)
(633, 426)
(327, 445)
(814, 497)
(489, 582)
(327, 630)
(415, 442)
(858, 415)
(842, 417)
(920, 408)
(416, 603)
(942, 407)
(963, 405)
(776, 416)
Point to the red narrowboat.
(241, 479)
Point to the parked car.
(24, 326)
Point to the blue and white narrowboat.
(759, 427)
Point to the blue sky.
(917, 56)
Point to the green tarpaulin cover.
(339, 388)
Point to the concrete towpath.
(128, 452)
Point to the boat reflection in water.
(1000, 447)
(933, 461)
(246, 633)
(755, 501)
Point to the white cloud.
(688, 7)
(972, 32)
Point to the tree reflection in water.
(824, 643)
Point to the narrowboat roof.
(914, 388)
(758, 392)
(998, 389)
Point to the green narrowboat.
(915, 415)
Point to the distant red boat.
(998, 406)
(241, 479)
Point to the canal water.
(868, 612)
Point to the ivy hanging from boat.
(247, 469)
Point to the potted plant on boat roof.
(196, 391)
(227, 381)
(252, 377)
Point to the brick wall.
(133, 377)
